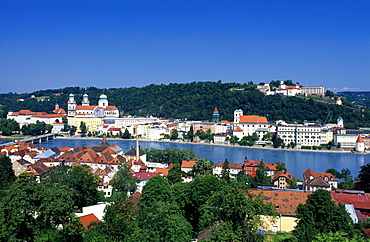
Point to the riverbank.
(259, 147)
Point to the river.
(296, 161)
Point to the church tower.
(237, 114)
(85, 100)
(71, 106)
(103, 101)
(215, 116)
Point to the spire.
(359, 139)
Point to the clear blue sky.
(54, 44)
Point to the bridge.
(34, 139)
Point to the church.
(85, 110)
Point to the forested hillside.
(195, 100)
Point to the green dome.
(71, 95)
(103, 96)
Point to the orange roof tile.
(253, 119)
(87, 219)
(163, 171)
(238, 129)
(188, 164)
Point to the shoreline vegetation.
(217, 144)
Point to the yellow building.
(91, 123)
(286, 203)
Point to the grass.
(278, 237)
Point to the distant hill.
(361, 99)
(195, 101)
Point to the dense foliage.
(195, 101)
(320, 214)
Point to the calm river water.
(296, 161)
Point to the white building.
(345, 140)
(246, 125)
(300, 134)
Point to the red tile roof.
(87, 219)
(143, 175)
(359, 201)
(286, 202)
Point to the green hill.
(194, 101)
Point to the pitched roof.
(359, 139)
(253, 119)
(87, 219)
(270, 166)
(238, 129)
(359, 200)
(143, 175)
(188, 163)
(283, 173)
(286, 202)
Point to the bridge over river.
(34, 139)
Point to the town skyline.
(122, 44)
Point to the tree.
(280, 166)
(233, 139)
(123, 182)
(126, 134)
(65, 120)
(190, 133)
(80, 179)
(175, 134)
(277, 142)
(321, 215)
(225, 173)
(267, 137)
(175, 174)
(200, 190)
(236, 215)
(83, 129)
(202, 167)
(244, 181)
(35, 211)
(160, 218)
(7, 176)
(364, 176)
(261, 177)
(73, 130)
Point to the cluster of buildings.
(286, 90)
(105, 119)
(105, 160)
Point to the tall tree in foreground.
(225, 173)
(160, 218)
(364, 176)
(202, 167)
(123, 182)
(320, 214)
(261, 177)
(34, 211)
(7, 176)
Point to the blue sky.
(54, 44)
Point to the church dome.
(71, 95)
(103, 96)
(85, 95)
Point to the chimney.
(104, 138)
(137, 148)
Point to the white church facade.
(85, 110)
